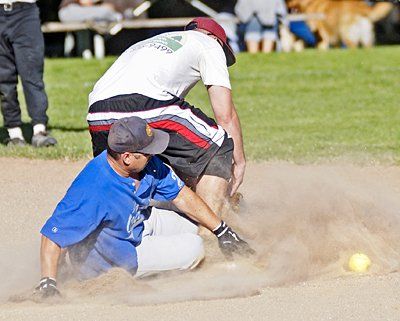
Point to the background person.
(150, 80)
(97, 11)
(103, 220)
(88, 10)
(82, 11)
(261, 18)
(22, 54)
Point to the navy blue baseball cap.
(134, 135)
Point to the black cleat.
(43, 139)
(15, 142)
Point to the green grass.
(301, 107)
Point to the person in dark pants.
(22, 53)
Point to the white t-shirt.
(165, 66)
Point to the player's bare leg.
(214, 191)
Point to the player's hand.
(230, 243)
(47, 287)
(237, 176)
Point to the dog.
(348, 22)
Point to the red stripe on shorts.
(181, 129)
(99, 128)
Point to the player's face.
(138, 161)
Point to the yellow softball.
(359, 262)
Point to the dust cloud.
(307, 220)
(303, 221)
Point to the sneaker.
(15, 142)
(43, 139)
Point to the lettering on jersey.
(134, 219)
(175, 177)
(166, 43)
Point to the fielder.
(104, 220)
(151, 79)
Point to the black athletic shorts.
(197, 144)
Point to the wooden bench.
(145, 23)
(125, 24)
(114, 28)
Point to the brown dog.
(350, 22)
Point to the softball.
(359, 262)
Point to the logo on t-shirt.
(166, 43)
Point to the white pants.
(169, 242)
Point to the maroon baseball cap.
(214, 28)
(134, 135)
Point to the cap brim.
(158, 145)
(230, 56)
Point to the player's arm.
(71, 222)
(227, 117)
(171, 188)
(49, 256)
(193, 206)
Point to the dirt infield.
(304, 222)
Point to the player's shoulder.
(162, 174)
(96, 164)
(92, 174)
(154, 166)
(157, 168)
(202, 40)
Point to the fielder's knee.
(193, 253)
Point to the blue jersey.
(100, 219)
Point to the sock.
(39, 128)
(15, 132)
